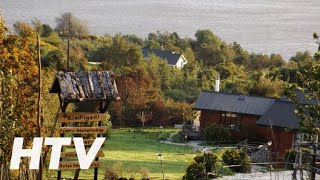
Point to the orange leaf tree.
(18, 95)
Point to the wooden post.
(63, 107)
(97, 158)
(39, 175)
(314, 161)
(39, 89)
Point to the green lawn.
(135, 148)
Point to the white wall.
(181, 62)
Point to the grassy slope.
(135, 149)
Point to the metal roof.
(281, 114)
(302, 97)
(171, 57)
(85, 86)
(244, 104)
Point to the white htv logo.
(85, 159)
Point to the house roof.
(85, 86)
(280, 114)
(237, 103)
(302, 99)
(171, 57)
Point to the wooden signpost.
(84, 130)
(86, 142)
(74, 154)
(81, 117)
(70, 165)
(98, 89)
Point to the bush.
(237, 157)
(178, 138)
(210, 161)
(195, 169)
(215, 132)
(194, 172)
(114, 172)
(144, 173)
(109, 127)
(163, 136)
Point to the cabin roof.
(281, 114)
(237, 103)
(85, 86)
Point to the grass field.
(136, 148)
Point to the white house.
(173, 59)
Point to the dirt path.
(195, 144)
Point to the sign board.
(74, 154)
(86, 142)
(84, 130)
(69, 165)
(81, 117)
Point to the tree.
(18, 74)
(309, 113)
(242, 56)
(266, 86)
(46, 30)
(70, 24)
(121, 53)
(21, 28)
(37, 26)
(210, 49)
(56, 59)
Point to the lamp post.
(161, 158)
(269, 143)
(185, 140)
(204, 148)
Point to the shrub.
(209, 159)
(178, 138)
(132, 171)
(113, 172)
(237, 157)
(195, 169)
(109, 127)
(163, 136)
(194, 172)
(215, 132)
(144, 173)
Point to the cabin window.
(231, 121)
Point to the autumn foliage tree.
(18, 80)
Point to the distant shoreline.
(261, 27)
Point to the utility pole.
(68, 49)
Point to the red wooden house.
(251, 117)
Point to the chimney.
(217, 85)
